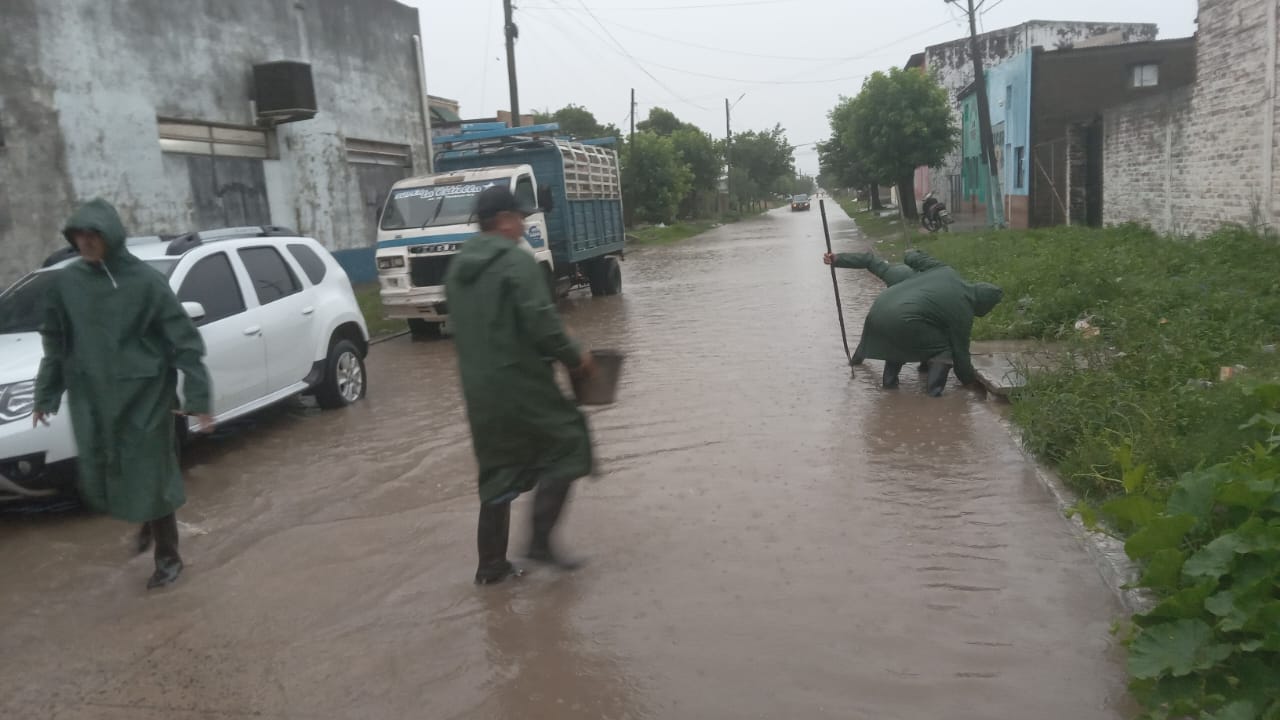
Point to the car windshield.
(431, 206)
(22, 305)
(800, 198)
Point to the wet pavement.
(769, 538)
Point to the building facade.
(1009, 100)
(952, 64)
(159, 106)
(1189, 159)
(1072, 88)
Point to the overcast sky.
(792, 58)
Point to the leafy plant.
(1211, 647)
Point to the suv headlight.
(17, 400)
(390, 261)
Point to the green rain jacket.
(890, 273)
(928, 316)
(114, 338)
(506, 328)
(921, 261)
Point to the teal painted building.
(1009, 99)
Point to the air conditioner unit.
(284, 92)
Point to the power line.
(632, 58)
(724, 50)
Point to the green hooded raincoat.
(506, 329)
(928, 316)
(114, 338)
(890, 273)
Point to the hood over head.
(985, 297)
(101, 217)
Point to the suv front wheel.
(344, 377)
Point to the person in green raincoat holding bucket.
(925, 316)
(115, 337)
(524, 431)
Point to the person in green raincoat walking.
(524, 431)
(928, 318)
(890, 273)
(115, 337)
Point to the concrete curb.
(1119, 572)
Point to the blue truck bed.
(580, 228)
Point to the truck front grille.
(428, 271)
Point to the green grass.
(1171, 313)
(884, 232)
(371, 305)
(654, 235)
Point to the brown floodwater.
(769, 537)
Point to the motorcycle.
(934, 215)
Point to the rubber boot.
(492, 534)
(144, 538)
(168, 563)
(891, 370)
(548, 503)
(938, 374)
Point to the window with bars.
(194, 138)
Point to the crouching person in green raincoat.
(524, 431)
(115, 337)
(890, 273)
(927, 318)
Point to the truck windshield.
(431, 206)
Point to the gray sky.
(792, 58)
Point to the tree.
(900, 121)
(662, 122)
(766, 158)
(578, 122)
(839, 166)
(699, 153)
(654, 178)
(803, 185)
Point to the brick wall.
(1189, 162)
(1145, 168)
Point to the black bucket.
(602, 387)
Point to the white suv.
(278, 318)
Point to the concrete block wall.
(1191, 161)
(1145, 168)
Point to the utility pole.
(512, 33)
(995, 198)
(728, 144)
(632, 140)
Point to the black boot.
(938, 373)
(144, 538)
(548, 503)
(168, 562)
(891, 370)
(492, 533)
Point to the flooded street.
(769, 538)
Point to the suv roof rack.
(192, 240)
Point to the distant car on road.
(276, 311)
(799, 202)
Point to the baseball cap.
(498, 199)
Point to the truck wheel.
(605, 276)
(345, 380)
(425, 330)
